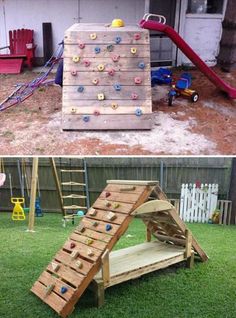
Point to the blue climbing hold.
(138, 112)
(118, 39)
(110, 48)
(64, 290)
(97, 50)
(108, 227)
(141, 65)
(86, 118)
(117, 87)
(80, 89)
(80, 213)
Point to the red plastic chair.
(21, 47)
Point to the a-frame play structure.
(86, 260)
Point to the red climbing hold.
(81, 45)
(96, 113)
(134, 96)
(74, 72)
(111, 72)
(137, 36)
(137, 80)
(107, 194)
(72, 245)
(87, 63)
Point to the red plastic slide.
(186, 49)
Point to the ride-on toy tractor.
(181, 87)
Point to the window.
(205, 6)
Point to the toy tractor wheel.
(170, 100)
(194, 97)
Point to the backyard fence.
(198, 203)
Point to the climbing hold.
(107, 194)
(134, 96)
(89, 241)
(133, 50)
(137, 80)
(111, 216)
(64, 290)
(81, 45)
(76, 59)
(97, 50)
(73, 110)
(110, 48)
(93, 36)
(49, 289)
(117, 23)
(80, 213)
(96, 113)
(108, 227)
(107, 204)
(81, 228)
(86, 118)
(117, 87)
(79, 264)
(87, 63)
(90, 252)
(80, 89)
(137, 36)
(95, 81)
(115, 58)
(95, 223)
(101, 67)
(141, 65)
(116, 205)
(72, 245)
(118, 39)
(92, 212)
(138, 112)
(101, 96)
(55, 266)
(74, 72)
(74, 254)
(111, 72)
(114, 105)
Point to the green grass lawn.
(208, 290)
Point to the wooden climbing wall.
(76, 263)
(106, 82)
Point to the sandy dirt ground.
(207, 127)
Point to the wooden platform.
(106, 79)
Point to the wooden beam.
(188, 246)
(33, 194)
(58, 185)
(105, 267)
(153, 206)
(132, 182)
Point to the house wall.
(62, 14)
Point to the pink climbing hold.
(81, 45)
(134, 96)
(115, 58)
(87, 63)
(137, 80)
(111, 72)
(96, 113)
(74, 72)
(107, 194)
(137, 36)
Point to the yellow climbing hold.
(133, 50)
(101, 96)
(116, 205)
(101, 67)
(93, 36)
(117, 23)
(114, 105)
(76, 59)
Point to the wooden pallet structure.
(86, 260)
(106, 82)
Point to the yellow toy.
(117, 23)
(18, 213)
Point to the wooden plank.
(128, 64)
(124, 208)
(101, 110)
(47, 279)
(95, 235)
(112, 187)
(188, 247)
(133, 182)
(91, 93)
(125, 197)
(83, 250)
(105, 267)
(53, 300)
(101, 27)
(153, 206)
(108, 122)
(124, 51)
(101, 226)
(88, 241)
(105, 216)
(65, 258)
(107, 103)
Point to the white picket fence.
(198, 203)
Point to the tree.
(227, 55)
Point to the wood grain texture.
(107, 110)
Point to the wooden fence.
(171, 172)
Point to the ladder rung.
(72, 183)
(74, 207)
(72, 170)
(74, 196)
